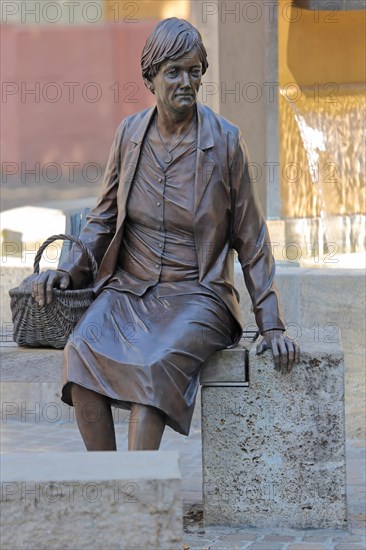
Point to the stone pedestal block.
(328, 300)
(274, 451)
(91, 500)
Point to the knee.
(142, 412)
(85, 396)
(80, 396)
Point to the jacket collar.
(204, 130)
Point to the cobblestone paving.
(64, 436)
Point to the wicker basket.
(50, 325)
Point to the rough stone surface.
(274, 452)
(325, 300)
(332, 301)
(64, 436)
(91, 501)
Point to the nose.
(185, 80)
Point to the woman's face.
(177, 83)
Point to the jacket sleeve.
(100, 226)
(250, 238)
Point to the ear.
(149, 85)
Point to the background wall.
(67, 88)
(70, 73)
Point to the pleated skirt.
(147, 349)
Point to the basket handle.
(64, 237)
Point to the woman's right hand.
(43, 284)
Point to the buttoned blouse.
(158, 246)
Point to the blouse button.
(160, 245)
(157, 266)
(160, 180)
(158, 203)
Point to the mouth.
(185, 95)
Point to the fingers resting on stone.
(285, 350)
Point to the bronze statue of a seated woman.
(177, 199)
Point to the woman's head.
(171, 39)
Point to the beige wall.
(242, 49)
(144, 9)
(321, 46)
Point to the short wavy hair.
(171, 39)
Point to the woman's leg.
(94, 418)
(146, 428)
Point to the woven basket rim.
(57, 291)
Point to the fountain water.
(323, 170)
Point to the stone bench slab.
(121, 500)
(23, 364)
(20, 364)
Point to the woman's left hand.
(286, 352)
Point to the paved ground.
(17, 437)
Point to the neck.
(174, 124)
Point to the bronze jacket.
(226, 216)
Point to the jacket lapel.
(205, 162)
(130, 160)
(127, 172)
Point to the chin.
(185, 104)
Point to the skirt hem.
(120, 403)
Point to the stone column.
(242, 81)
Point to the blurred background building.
(291, 74)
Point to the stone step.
(122, 500)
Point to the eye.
(172, 72)
(196, 72)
